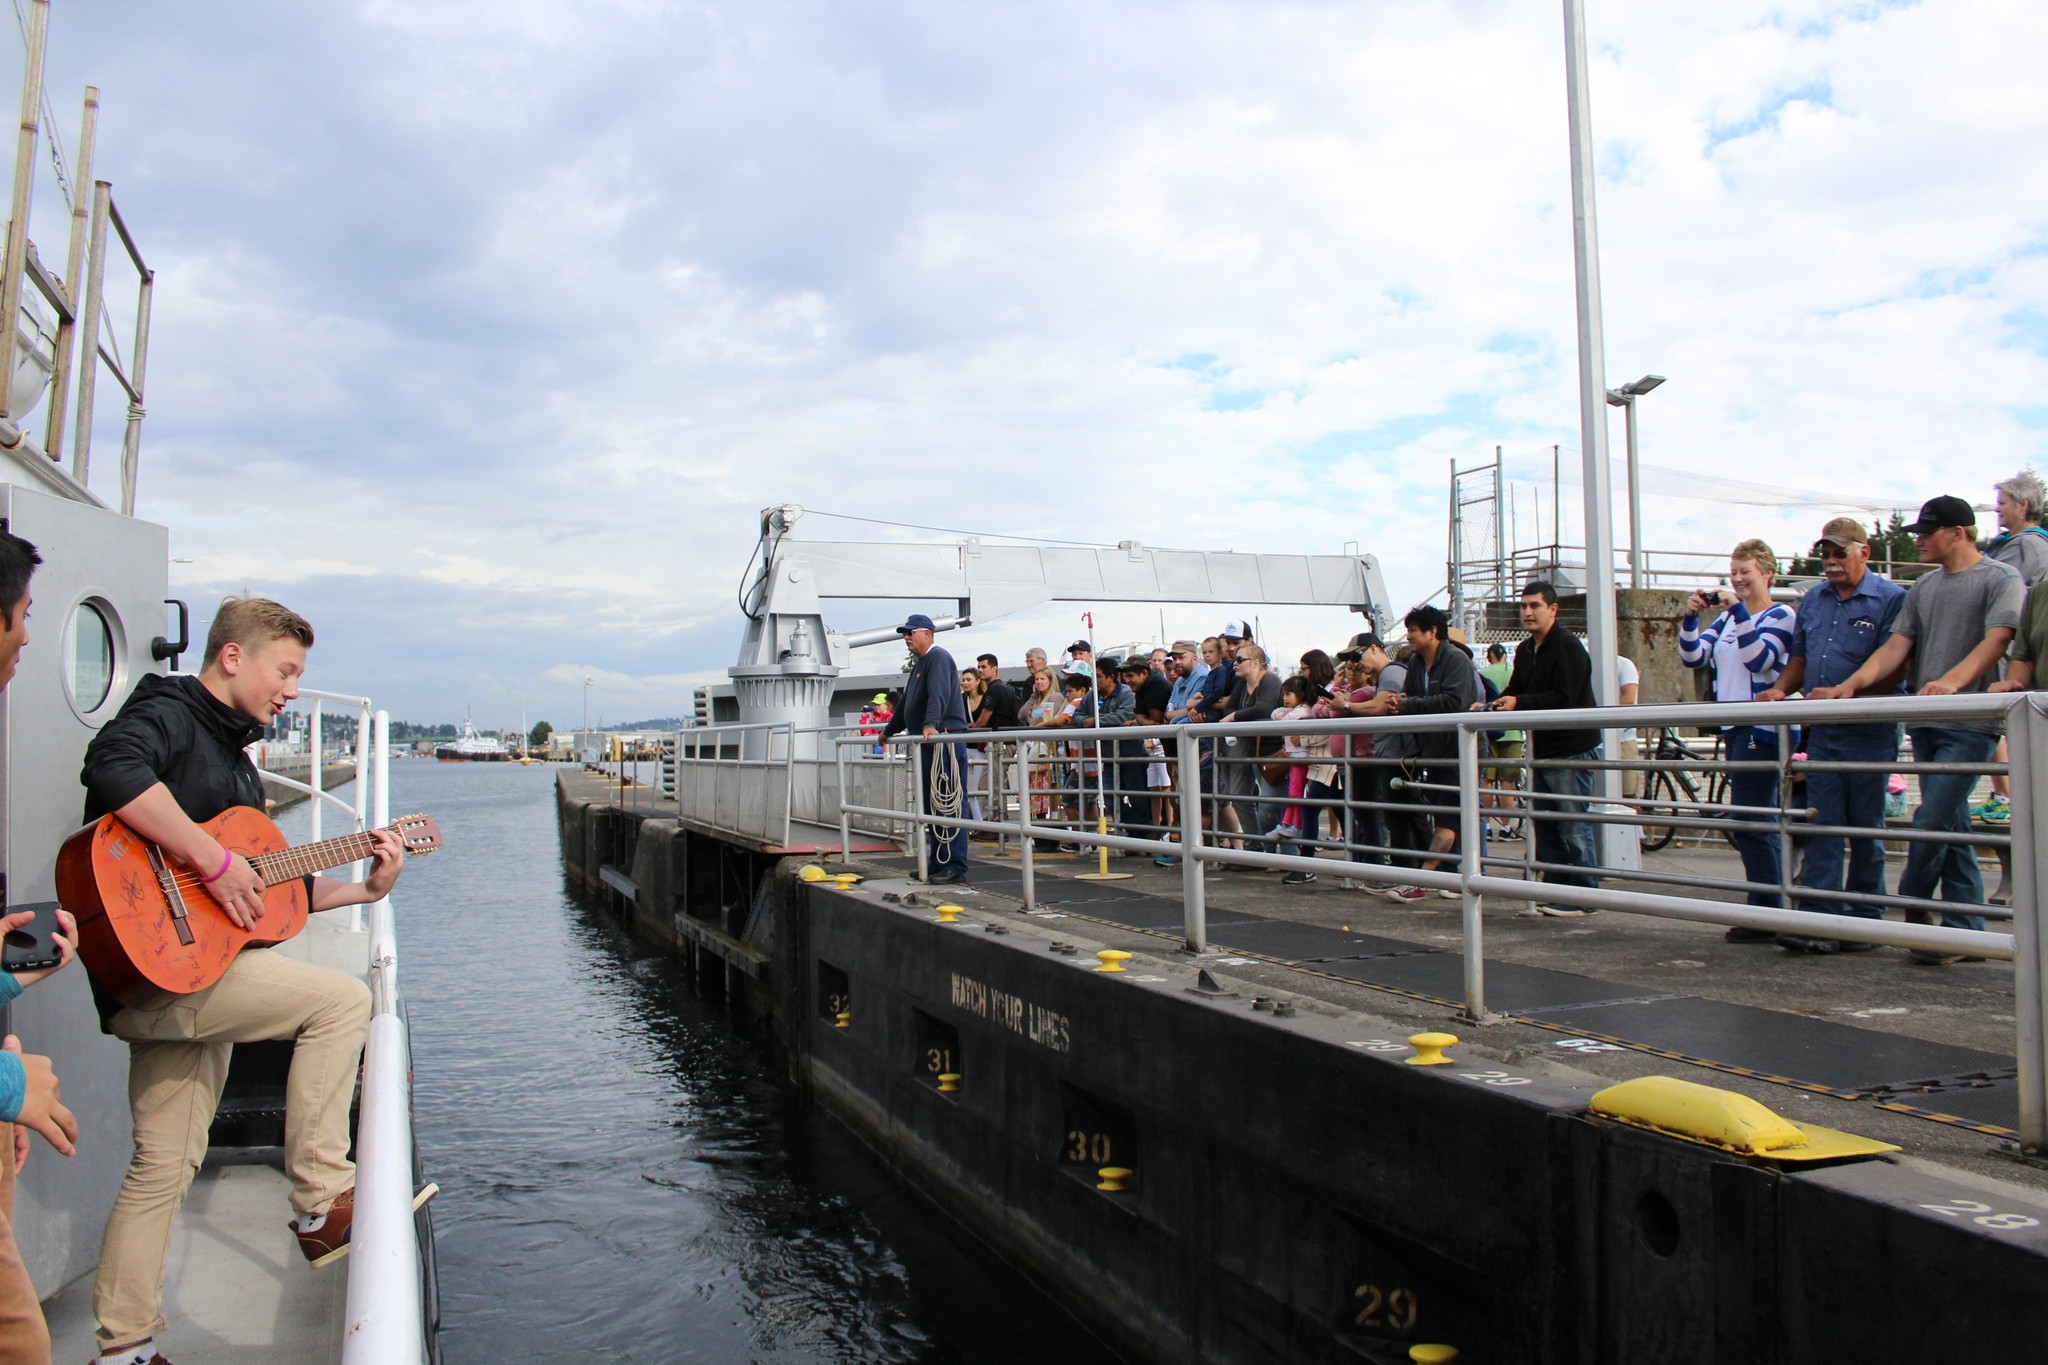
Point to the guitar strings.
(303, 859)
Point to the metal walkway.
(1960, 1086)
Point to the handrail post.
(1468, 868)
(914, 751)
(1785, 896)
(1194, 902)
(788, 777)
(845, 818)
(313, 762)
(1025, 839)
(2027, 736)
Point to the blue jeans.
(1852, 799)
(1567, 841)
(944, 849)
(1365, 782)
(1945, 805)
(1760, 862)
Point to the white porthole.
(92, 655)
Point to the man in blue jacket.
(932, 705)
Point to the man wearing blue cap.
(932, 705)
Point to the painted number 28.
(1984, 1216)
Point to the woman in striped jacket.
(1746, 646)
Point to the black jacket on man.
(1558, 676)
(173, 731)
(931, 697)
(1446, 687)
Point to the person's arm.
(29, 1095)
(157, 817)
(1696, 646)
(1460, 690)
(388, 860)
(1884, 662)
(1790, 679)
(1764, 641)
(1975, 664)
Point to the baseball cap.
(1235, 630)
(1186, 647)
(881, 699)
(1945, 510)
(917, 621)
(1365, 640)
(1080, 647)
(1842, 532)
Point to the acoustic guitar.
(146, 924)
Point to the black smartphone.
(32, 946)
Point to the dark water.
(626, 1174)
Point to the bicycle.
(1677, 789)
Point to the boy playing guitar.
(174, 757)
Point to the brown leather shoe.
(329, 1242)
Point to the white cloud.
(524, 318)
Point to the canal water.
(626, 1173)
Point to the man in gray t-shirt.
(1952, 629)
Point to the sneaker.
(1564, 911)
(329, 1241)
(1167, 860)
(1407, 893)
(1297, 878)
(1529, 912)
(1996, 811)
(1444, 894)
(1744, 934)
(1282, 834)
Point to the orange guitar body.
(126, 931)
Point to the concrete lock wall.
(1295, 1196)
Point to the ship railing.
(1081, 780)
(386, 1309)
(387, 1291)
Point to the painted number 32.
(1983, 1214)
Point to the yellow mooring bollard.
(949, 1082)
(843, 1019)
(950, 914)
(1102, 872)
(1429, 1048)
(1112, 959)
(1113, 1178)
(845, 879)
(1431, 1353)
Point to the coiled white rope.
(947, 797)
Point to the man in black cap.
(1952, 628)
(932, 705)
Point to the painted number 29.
(1984, 1215)
(1384, 1310)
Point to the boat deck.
(236, 1289)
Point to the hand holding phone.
(36, 940)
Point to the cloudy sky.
(484, 330)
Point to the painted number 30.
(1383, 1310)
(1964, 1208)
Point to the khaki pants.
(178, 1061)
(24, 1337)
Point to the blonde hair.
(1757, 553)
(252, 622)
(1250, 653)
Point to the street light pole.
(1625, 399)
(587, 681)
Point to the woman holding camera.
(1746, 647)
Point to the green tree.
(539, 738)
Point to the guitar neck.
(287, 864)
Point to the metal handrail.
(386, 1311)
(2025, 717)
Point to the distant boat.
(471, 747)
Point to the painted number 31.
(1984, 1217)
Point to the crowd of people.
(1976, 620)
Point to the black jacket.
(173, 731)
(1448, 687)
(931, 697)
(1557, 677)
